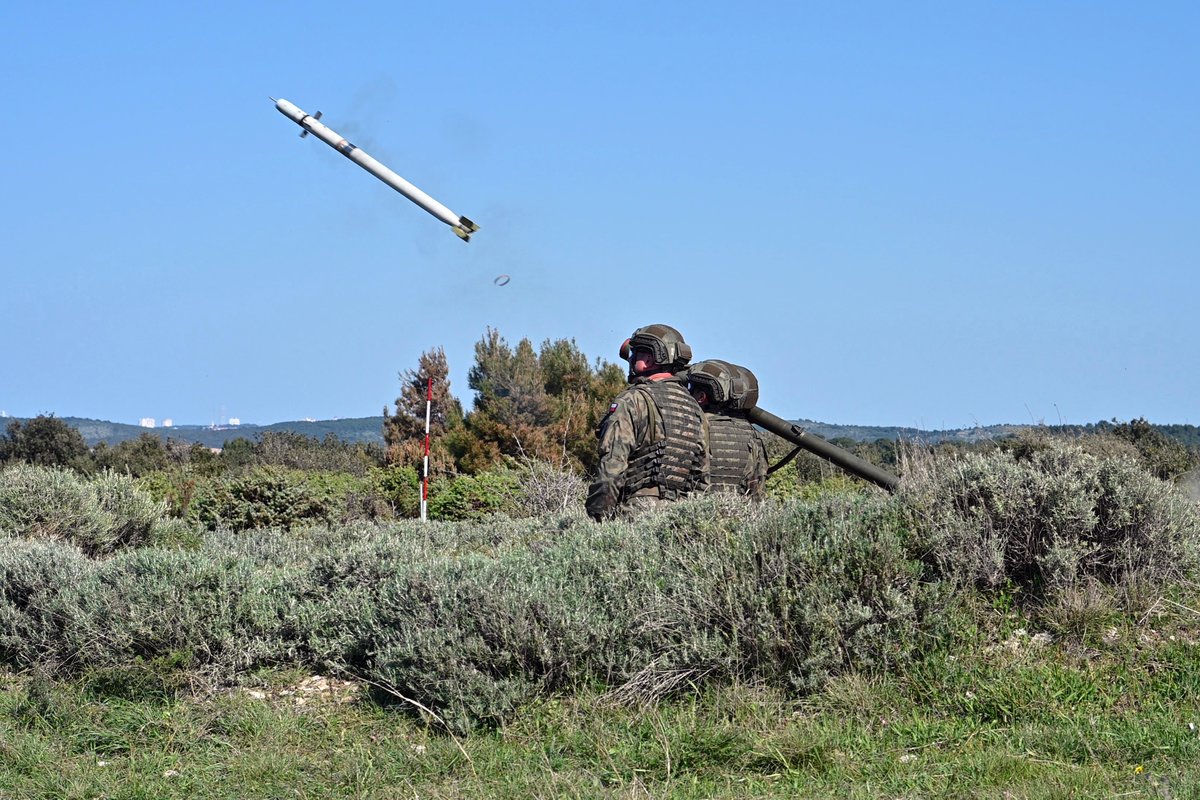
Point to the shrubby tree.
(404, 430)
(135, 457)
(511, 411)
(535, 405)
(45, 441)
(237, 453)
(201, 459)
(1161, 455)
(580, 394)
(297, 451)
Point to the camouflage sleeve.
(618, 435)
(756, 469)
(706, 459)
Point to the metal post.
(425, 474)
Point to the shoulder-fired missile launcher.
(735, 388)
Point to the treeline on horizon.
(534, 414)
(540, 403)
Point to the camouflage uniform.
(653, 447)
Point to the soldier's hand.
(601, 502)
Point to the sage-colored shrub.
(703, 591)
(31, 575)
(227, 612)
(1047, 517)
(471, 619)
(472, 637)
(788, 594)
(100, 514)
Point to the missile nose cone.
(289, 110)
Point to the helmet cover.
(664, 342)
(730, 386)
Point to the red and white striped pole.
(425, 474)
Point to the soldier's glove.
(601, 502)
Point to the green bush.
(473, 497)
(400, 488)
(135, 457)
(272, 497)
(347, 497)
(291, 450)
(176, 486)
(265, 497)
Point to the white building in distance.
(146, 422)
(168, 422)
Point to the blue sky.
(928, 214)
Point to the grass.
(1016, 629)
(1001, 712)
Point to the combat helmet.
(670, 350)
(730, 386)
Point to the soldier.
(738, 454)
(653, 441)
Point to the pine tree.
(404, 431)
(541, 406)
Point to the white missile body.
(462, 226)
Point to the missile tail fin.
(464, 229)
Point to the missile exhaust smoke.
(462, 227)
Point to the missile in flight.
(461, 226)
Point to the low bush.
(400, 488)
(31, 575)
(227, 611)
(1047, 517)
(264, 497)
(701, 592)
(291, 450)
(545, 488)
(473, 497)
(99, 515)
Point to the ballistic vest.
(731, 440)
(674, 463)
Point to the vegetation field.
(998, 712)
(1019, 620)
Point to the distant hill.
(869, 433)
(370, 430)
(362, 429)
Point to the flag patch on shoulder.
(612, 408)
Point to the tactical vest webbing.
(730, 442)
(674, 463)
